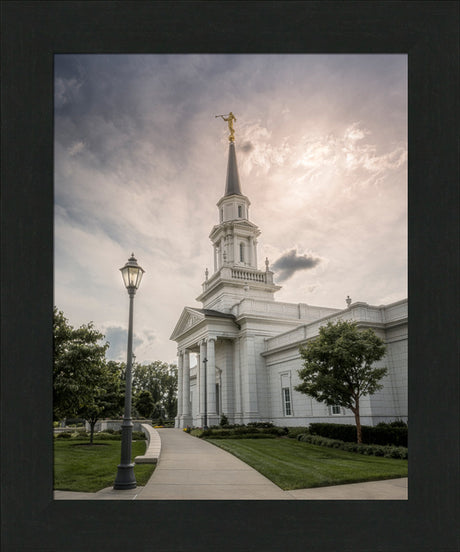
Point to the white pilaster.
(186, 415)
(237, 371)
(249, 380)
(202, 390)
(180, 391)
(211, 391)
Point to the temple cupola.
(234, 241)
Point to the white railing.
(242, 274)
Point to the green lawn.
(79, 466)
(292, 464)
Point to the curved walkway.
(192, 469)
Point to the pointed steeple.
(232, 185)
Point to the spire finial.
(229, 119)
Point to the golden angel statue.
(229, 119)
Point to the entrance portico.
(209, 336)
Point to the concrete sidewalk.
(192, 469)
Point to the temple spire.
(232, 185)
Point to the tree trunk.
(358, 422)
(91, 435)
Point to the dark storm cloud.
(247, 147)
(118, 339)
(290, 263)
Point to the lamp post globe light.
(132, 275)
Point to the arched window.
(240, 211)
(242, 252)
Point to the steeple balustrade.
(242, 274)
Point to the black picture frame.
(32, 32)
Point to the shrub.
(223, 421)
(103, 435)
(245, 436)
(64, 435)
(375, 450)
(79, 434)
(383, 434)
(293, 432)
(260, 424)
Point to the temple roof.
(211, 312)
(233, 180)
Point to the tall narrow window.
(240, 211)
(221, 215)
(287, 401)
(286, 398)
(242, 252)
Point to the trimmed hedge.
(370, 450)
(242, 432)
(393, 434)
(245, 436)
(100, 436)
(293, 432)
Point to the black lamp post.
(132, 276)
(205, 360)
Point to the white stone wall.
(282, 357)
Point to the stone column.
(179, 389)
(215, 258)
(237, 382)
(211, 391)
(186, 414)
(202, 390)
(249, 380)
(236, 251)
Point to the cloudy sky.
(140, 163)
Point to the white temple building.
(246, 344)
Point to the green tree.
(79, 361)
(160, 378)
(106, 400)
(337, 368)
(144, 403)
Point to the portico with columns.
(245, 345)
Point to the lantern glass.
(132, 274)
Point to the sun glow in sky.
(140, 163)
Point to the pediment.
(188, 319)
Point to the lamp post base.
(125, 477)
